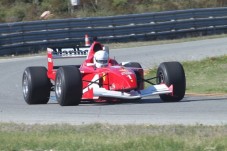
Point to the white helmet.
(101, 59)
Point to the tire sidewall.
(60, 97)
(173, 74)
(163, 72)
(71, 86)
(27, 97)
(38, 85)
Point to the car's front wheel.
(68, 86)
(172, 73)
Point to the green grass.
(99, 137)
(208, 76)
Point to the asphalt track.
(207, 110)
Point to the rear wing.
(75, 52)
(61, 53)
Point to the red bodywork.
(113, 77)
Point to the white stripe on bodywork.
(156, 89)
(152, 90)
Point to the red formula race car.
(99, 78)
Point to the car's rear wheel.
(172, 73)
(138, 75)
(132, 64)
(68, 86)
(35, 85)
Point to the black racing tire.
(172, 73)
(68, 86)
(133, 64)
(138, 76)
(36, 85)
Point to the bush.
(17, 12)
(57, 6)
(24, 10)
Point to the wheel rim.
(58, 86)
(160, 77)
(25, 85)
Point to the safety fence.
(23, 37)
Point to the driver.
(101, 58)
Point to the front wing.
(152, 90)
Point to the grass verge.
(208, 76)
(111, 137)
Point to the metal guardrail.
(22, 37)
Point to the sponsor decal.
(49, 60)
(129, 76)
(126, 73)
(92, 85)
(104, 77)
(71, 51)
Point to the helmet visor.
(101, 61)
